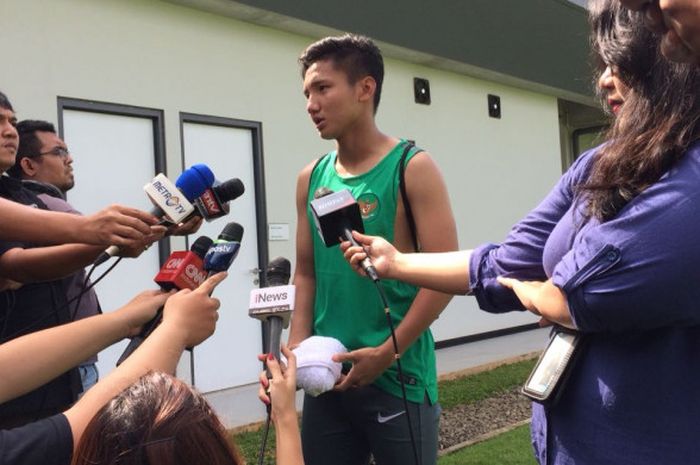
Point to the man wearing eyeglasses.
(51, 277)
(45, 167)
(43, 160)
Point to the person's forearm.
(426, 307)
(159, 352)
(32, 224)
(446, 272)
(288, 441)
(302, 318)
(33, 360)
(47, 263)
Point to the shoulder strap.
(318, 162)
(404, 197)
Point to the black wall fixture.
(494, 106)
(421, 91)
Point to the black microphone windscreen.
(322, 192)
(229, 190)
(278, 272)
(201, 245)
(232, 232)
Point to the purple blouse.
(633, 287)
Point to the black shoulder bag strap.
(404, 196)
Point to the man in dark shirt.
(45, 167)
(41, 301)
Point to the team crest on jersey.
(369, 206)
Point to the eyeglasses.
(57, 151)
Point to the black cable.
(83, 291)
(266, 431)
(36, 322)
(397, 357)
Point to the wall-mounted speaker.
(421, 91)
(494, 106)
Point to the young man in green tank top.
(365, 414)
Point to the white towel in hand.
(316, 371)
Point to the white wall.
(164, 56)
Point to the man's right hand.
(117, 225)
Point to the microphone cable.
(4, 338)
(372, 274)
(266, 432)
(397, 357)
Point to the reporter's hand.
(544, 299)
(526, 291)
(133, 251)
(192, 315)
(676, 21)
(116, 225)
(367, 364)
(379, 250)
(140, 310)
(190, 226)
(283, 386)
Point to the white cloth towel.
(316, 371)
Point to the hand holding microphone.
(274, 303)
(118, 225)
(182, 270)
(171, 202)
(336, 215)
(382, 254)
(194, 313)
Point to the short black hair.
(355, 55)
(29, 143)
(5, 102)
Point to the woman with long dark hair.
(160, 420)
(612, 253)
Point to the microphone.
(224, 250)
(182, 270)
(167, 197)
(336, 214)
(185, 269)
(274, 303)
(213, 203)
(168, 204)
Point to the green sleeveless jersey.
(346, 305)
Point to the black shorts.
(344, 428)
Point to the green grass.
(249, 445)
(511, 448)
(459, 391)
(470, 389)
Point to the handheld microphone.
(171, 201)
(224, 250)
(214, 201)
(274, 303)
(182, 270)
(167, 197)
(336, 214)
